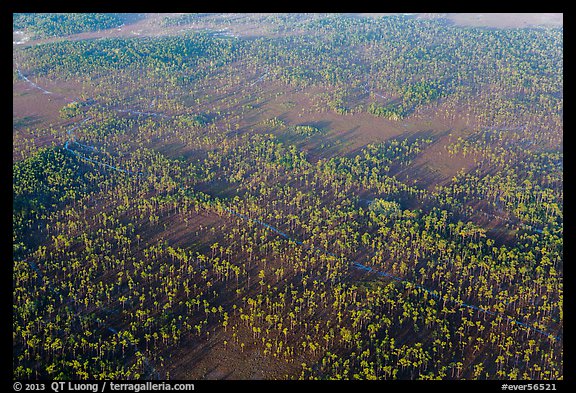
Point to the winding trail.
(22, 76)
(72, 140)
(259, 79)
(354, 264)
(432, 293)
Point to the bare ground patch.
(507, 20)
(213, 360)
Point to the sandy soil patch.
(507, 20)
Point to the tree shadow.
(26, 121)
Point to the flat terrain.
(507, 20)
(289, 196)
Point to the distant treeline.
(57, 25)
